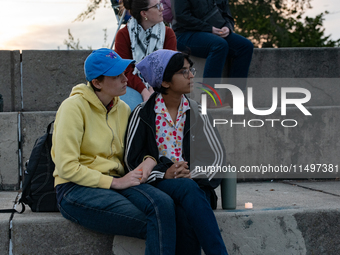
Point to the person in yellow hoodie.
(92, 187)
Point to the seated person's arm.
(187, 20)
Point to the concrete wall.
(313, 141)
(33, 125)
(9, 151)
(10, 80)
(48, 76)
(295, 63)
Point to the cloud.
(52, 36)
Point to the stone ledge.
(296, 217)
(46, 83)
(50, 233)
(300, 232)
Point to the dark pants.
(141, 211)
(216, 50)
(196, 225)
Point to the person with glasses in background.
(171, 129)
(144, 33)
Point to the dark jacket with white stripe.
(199, 136)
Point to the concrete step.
(288, 217)
(30, 81)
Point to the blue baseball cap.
(104, 62)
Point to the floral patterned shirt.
(169, 136)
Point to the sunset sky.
(43, 24)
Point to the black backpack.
(38, 187)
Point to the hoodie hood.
(87, 92)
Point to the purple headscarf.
(152, 67)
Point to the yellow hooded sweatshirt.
(88, 141)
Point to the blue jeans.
(132, 98)
(141, 211)
(216, 50)
(196, 224)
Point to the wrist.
(114, 183)
(149, 163)
(150, 158)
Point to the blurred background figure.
(205, 29)
(144, 33)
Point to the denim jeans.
(216, 50)
(141, 211)
(132, 98)
(196, 224)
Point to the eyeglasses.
(185, 72)
(159, 6)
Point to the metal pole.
(119, 24)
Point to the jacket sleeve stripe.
(155, 175)
(131, 131)
(213, 141)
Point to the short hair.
(100, 79)
(175, 64)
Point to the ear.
(96, 83)
(143, 14)
(166, 84)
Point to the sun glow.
(43, 24)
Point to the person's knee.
(189, 186)
(249, 46)
(168, 203)
(220, 46)
(164, 203)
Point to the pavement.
(288, 217)
(288, 194)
